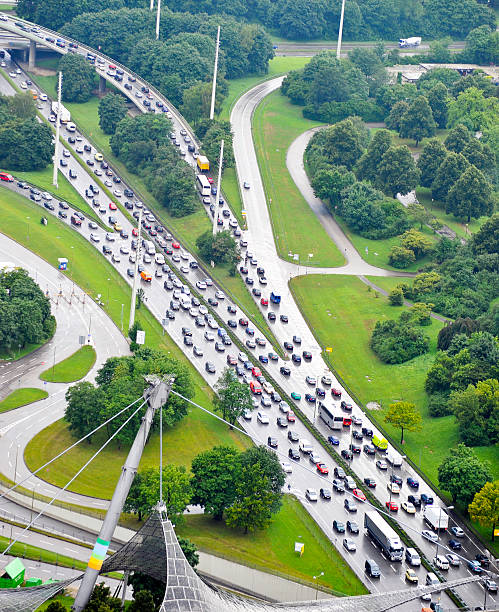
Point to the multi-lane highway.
(260, 240)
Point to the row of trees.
(24, 312)
(120, 382)
(144, 145)
(300, 19)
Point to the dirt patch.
(39, 71)
(373, 406)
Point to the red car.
(358, 494)
(5, 176)
(210, 180)
(243, 322)
(135, 232)
(291, 417)
(322, 469)
(256, 372)
(392, 506)
(264, 301)
(255, 388)
(112, 206)
(336, 393)
(175, 245)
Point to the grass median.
(273, 549)
(75, 367)
(22, 397)
(276, 123)
(342, 311)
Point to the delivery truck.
(65, 114)
(203, 163)
(414, 41)
(436, 518)
(383, 535)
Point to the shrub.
(399, 257)
(397, 342)
(438, 405)
(396, 297)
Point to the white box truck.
(436, 518)
(414, 41)
(65, 114)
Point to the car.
(392, 506)
(243, 322)
(284, 318)
(336, 393)
(349, 544)
(94, 237)
(320, 393)
(350, 505)
(201, 285)
(381, 465)
(338, 485)
(339, 472)
(483, 560)
(393, 487)
(426, 499)
(453, 559)
(296, 396)
(368, 433)
(475, 566)
(346, 406)
(310, 380)
(359, 494)
(326, 380)
(322, 469)
(357, 435)
(262, 418)
(429, 535)
(265, 402)
(282, 422)
(290, 417)
(272, 442)
(310, 398)
(411, 576)
(250, 344)
(210, 367)
(346, 454)
(408, 507)
(288, 346)
(307, 355)
(370, 482)
(352, 527)
(62, 214)
(338, 526)
(293, 436)
(454, 544)
(413, 483)
(271, 316)
(325, 493)
(414, 500)
(457, 532)
(333, 440)
(311, 495)
(490, 585)
(297, 339)
(396, 479)
(353, 447)
(369, 449)
(273, 357)
(246, 185)
(263, 358)
(295, 358)
(264, 301)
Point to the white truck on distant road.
(415, 41)
(436, 518)
(65, 114)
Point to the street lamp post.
(317, 584)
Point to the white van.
(159, 258)
(431, 579)
(185, 302)
(441, 562)
(350, 483)
(305, 447)
(71, 127)
(393, 458)
(412, 557)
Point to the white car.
(393, 487)
(429, 535)
(146, 258)
(18, 71)
(262, 418)
(138, 94)
(311, 495)
(24, 85)
(349, 544)
(66, 153)
(124, 250)
(117, 193)
(46, 196)
(208, 336)
(12, 75)
(184, 255)
(203, 310)
(3, 64)
(220, 295)
(94, 238)
(453, 559)
(286, 467)
(408, 507)
(43, 97)
(116, 258)
(110, 237)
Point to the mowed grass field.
(276, 123)
(342, 312)
(75, 367)
(273, 549)
(22, 397)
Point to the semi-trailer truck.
(414, 41)
(383, 535)
(436, 518)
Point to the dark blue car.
(333, 440)
(413, 483)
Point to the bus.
(328, 418)
(203, 185)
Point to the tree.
(394, 118)
(214, 475)
(254, 499)
(219, 248)
(328, 183)
(448, 173)
(144, 492)
(112, 109)
(342, 145)
(460, 326)
(404, 416)
(457, 138)
(25, 144)
(417, 242)
(401, 258)
(22, 105)
(474, 110)
(83, 410)
(102, 601)
(418, 212)
(78, 78)
(480, 155)
(367, 167)
(418, 121)
(233, 397)
(398, 341)
(462, 474)
(438, 99)
(486, 239)
(142, 602)
(484, 508)
(396, 297)
(432, 156)
(211, 143)
(269, 467)
(482, 45)
(477, 412)
(471, 195)
(55, 606)
(397, 171)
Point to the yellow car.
(117, 227)
(98, 157)
(411, 576)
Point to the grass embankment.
(187, 229)
(276, 123)
(273, 549)
(14, 354)
(343, 312)
(22, 397)
(90, 271)
(27, 551)
(73, 368)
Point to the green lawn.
(276, 123)
(22, 397)
(230, 189)
(14, 354)
(62, 599)
(35, 553)
(342, 311)
(181, 443)
(75, 367)
(273, 549)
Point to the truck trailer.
(383, 535)
(414, 41)
(436, 518)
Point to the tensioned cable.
(73, 478)
(407, 526)
(69, 448)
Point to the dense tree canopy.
(462, 474)
(112, 109)
(78, 78)
(397, 341)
